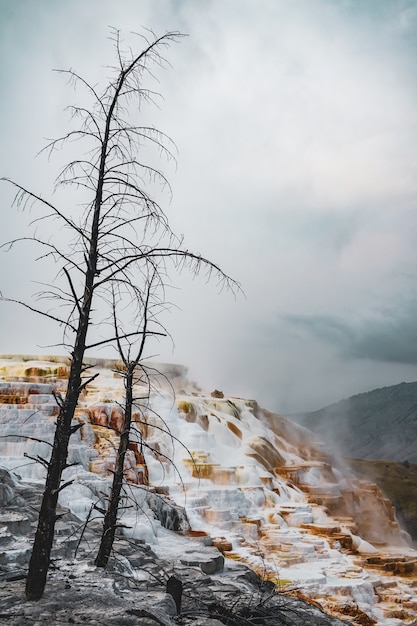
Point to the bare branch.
(31, 308)
(76, 300)
(124, 336)
(67, 484)
(77, 78)
(87, 382)
(27, 437)
(35, 197)
(37, 459)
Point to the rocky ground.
(79, 593)
(132, 590)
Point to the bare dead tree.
(134, 372)
(120, 232)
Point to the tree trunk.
(42, 546)
(110, 518)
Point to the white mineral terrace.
(258, 485)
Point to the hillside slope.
(380, 424)
(203, 472)
(398, 482)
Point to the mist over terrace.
(295, 128)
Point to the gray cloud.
(391, 337)
(295, 123)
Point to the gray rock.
(132, 590)
(209, 560)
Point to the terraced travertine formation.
(223, 470)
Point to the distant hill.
(398, 482)
(380, 424)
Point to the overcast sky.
(296, 124)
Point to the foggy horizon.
(296, 131)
